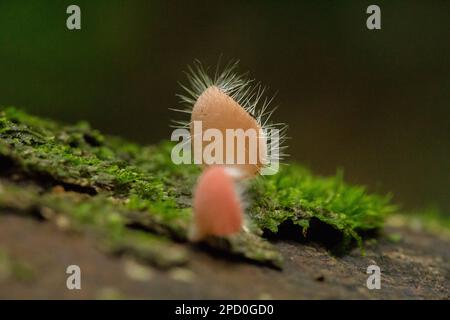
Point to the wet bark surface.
(414, 266)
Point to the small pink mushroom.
(217, 207)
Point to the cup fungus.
(218, 209)
(227, 101)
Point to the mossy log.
(138, 202)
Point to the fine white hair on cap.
(245, 99)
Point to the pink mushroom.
(217, 206)
(226, 101)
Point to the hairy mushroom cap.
(230, 100)
(217, 110)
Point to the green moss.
(149, 190)
(431, 219)
(296, 195)
(101, 216)
(150, 248)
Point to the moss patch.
(297, 196)
(431, 220)
(127, 188)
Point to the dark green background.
(375, 103)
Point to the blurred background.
(375, 103)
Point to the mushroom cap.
(216, 110)
(217, 206)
